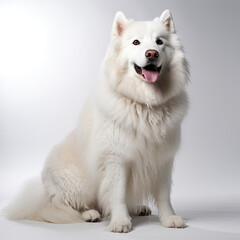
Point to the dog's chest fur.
(131, 125)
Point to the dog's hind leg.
(141, 210)
(67, 185)
(91, 216)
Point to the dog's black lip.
(137, 69)
(150, 67)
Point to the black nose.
(151, 54)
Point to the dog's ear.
(167, 20)
(119, 24)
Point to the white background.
(50, 58)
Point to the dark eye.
(159, 42)
(136, 42)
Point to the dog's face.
(145, 60)
(143, 47)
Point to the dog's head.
(145, 60)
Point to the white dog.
(121, 153)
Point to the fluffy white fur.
(121, 153)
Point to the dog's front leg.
(165, 211)
(114, 186)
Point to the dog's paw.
(173, 222)
(91, 216)
(120, 225)
(143, 211)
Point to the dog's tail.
(33, 203)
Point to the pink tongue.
(150, 76)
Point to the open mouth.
(149, 72)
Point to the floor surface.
(213, 218)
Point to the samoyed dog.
(121, 153)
